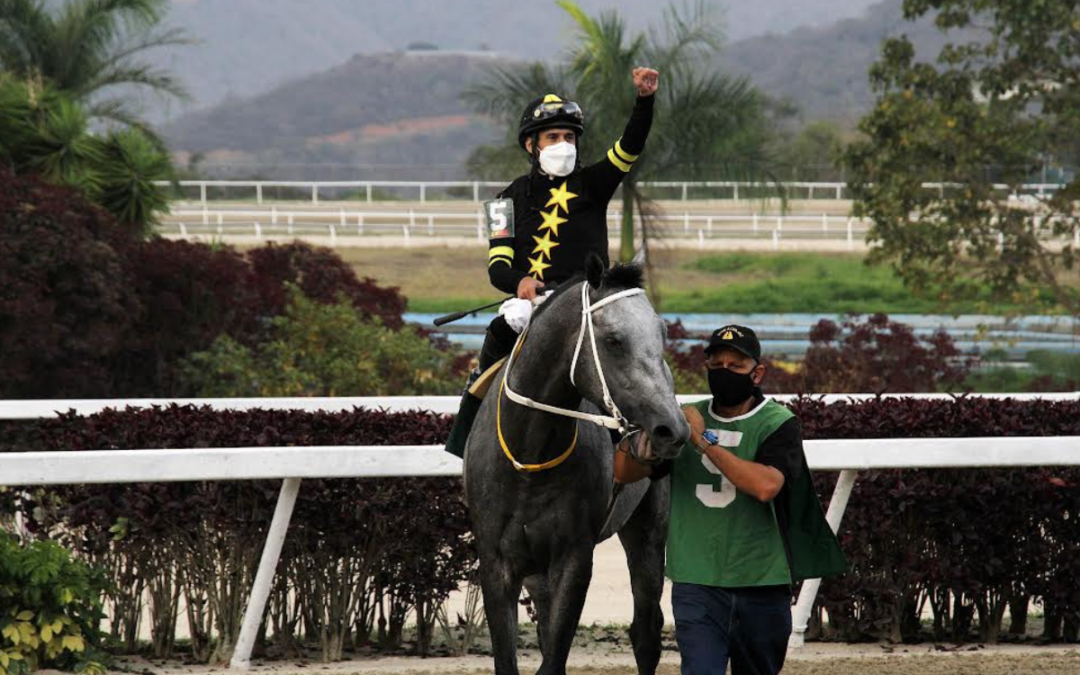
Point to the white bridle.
(616, 419)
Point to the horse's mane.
(619, 277)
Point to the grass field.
(452, 279)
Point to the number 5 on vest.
(707, 493)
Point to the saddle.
(480, 387)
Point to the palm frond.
(26, 31)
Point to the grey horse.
(539, 484)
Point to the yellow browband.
(502, 441)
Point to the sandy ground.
(815, 659)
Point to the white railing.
(409, 223)
(295, 463)
(736, 189)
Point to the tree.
(43, 131)
(997, 105)
(87, 48)
(814, 153)
(708, 125)
(66, 299)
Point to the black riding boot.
(498, 342)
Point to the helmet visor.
(556, 108)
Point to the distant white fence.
(422, 190)
(294, 463)
(408, 223)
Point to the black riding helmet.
(550, 112)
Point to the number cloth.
(719, 536)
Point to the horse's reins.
(613, 421)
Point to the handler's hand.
(646, 81)
(696, 422)
(528, 287)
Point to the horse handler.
(745, 520)
(543, 226)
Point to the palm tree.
(708, 124)
(43, 131)
(87, 48)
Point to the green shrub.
(51, 608)
(324, 350)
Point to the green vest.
(719, 536)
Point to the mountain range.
(398, 113)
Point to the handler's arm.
(759, 481)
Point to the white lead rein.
(616, 419)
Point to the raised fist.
(645, 80)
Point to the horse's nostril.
(663, 432)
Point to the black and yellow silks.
(557, 222)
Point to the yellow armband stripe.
(626, 156)
(504, 251)
(621, 165)
(506, 261)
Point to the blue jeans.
(749, 626)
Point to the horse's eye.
(613, 343)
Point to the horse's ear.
(639, 259)
(594, 269)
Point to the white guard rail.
(408, 223)
(294, 463)
(820, 190)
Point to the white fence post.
(202, 193)
(800, 616)
(258, 193)
(359, 224)
(264, 578)
(476, 191)
(423, 192)
(314, 193)
(368, 186)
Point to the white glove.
(517, 313)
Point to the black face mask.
(730, 388)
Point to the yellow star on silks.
(538, 267)
(552, 221)
(560, 196)
(544, 245)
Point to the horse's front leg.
(568, 580)
(643, 538)
(501, 592)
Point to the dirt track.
(814, 659)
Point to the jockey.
(543, 226)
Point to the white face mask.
(558, 159)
